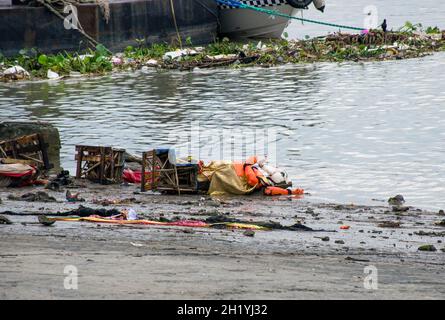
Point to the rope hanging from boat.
(240, 5)
(50, 5)
(172, 7)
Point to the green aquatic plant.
(94, 61)
(409, 27)
(224, 46)
(148, 52)
(432, 30)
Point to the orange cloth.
(277, 191)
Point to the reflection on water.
(350, 132)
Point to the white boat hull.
(245, 23)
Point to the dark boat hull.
(36, 27)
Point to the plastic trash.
(116, 61)
(151, 63)
(73, 197)
(132, 215)
(174, 55)
(52, 75)
(16, 72)
(278, 176)
(134, 244)
(222, 57)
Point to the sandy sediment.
(150, 262)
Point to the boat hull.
(245, 23)
(152, 20)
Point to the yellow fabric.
(223, 179)
(233, 225)
(104, 220)
(244, 226)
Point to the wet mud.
(159, 262)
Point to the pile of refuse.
(24, 162)
(130, 217)
(222, 177)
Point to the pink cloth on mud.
(16, 170)
(132, 176)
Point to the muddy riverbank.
(115, 261)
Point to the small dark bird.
(384, 26)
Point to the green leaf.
(101, 50)
(43, 59)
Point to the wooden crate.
(100, 164)
(30, 149)
(161, 174)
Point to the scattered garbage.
(323, 238)
(15, 73)
(23, 160)
(107, 202)
(174, 55)
(430, 233)
(134, 244)
(356, 259)
(345, 227)
(130, 214)
(4, 220)
(117, 61)
(45, 221)
(249, 233)
(269, 225)
(389, 224)
(17, 174)
(427, 247)
(224, 177)
(220, 57)
(52, 75)
(440, 223)
(400, 208)
(39, 196)
(152, 63)
(62, 179)
(73, 197)
(398, 200)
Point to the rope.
(240, 5)
(176, 25)
(49, 6)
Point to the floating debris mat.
(29, 150)
(104, 165)
(211, 62)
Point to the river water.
(349, 132)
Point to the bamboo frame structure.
(100, 164)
